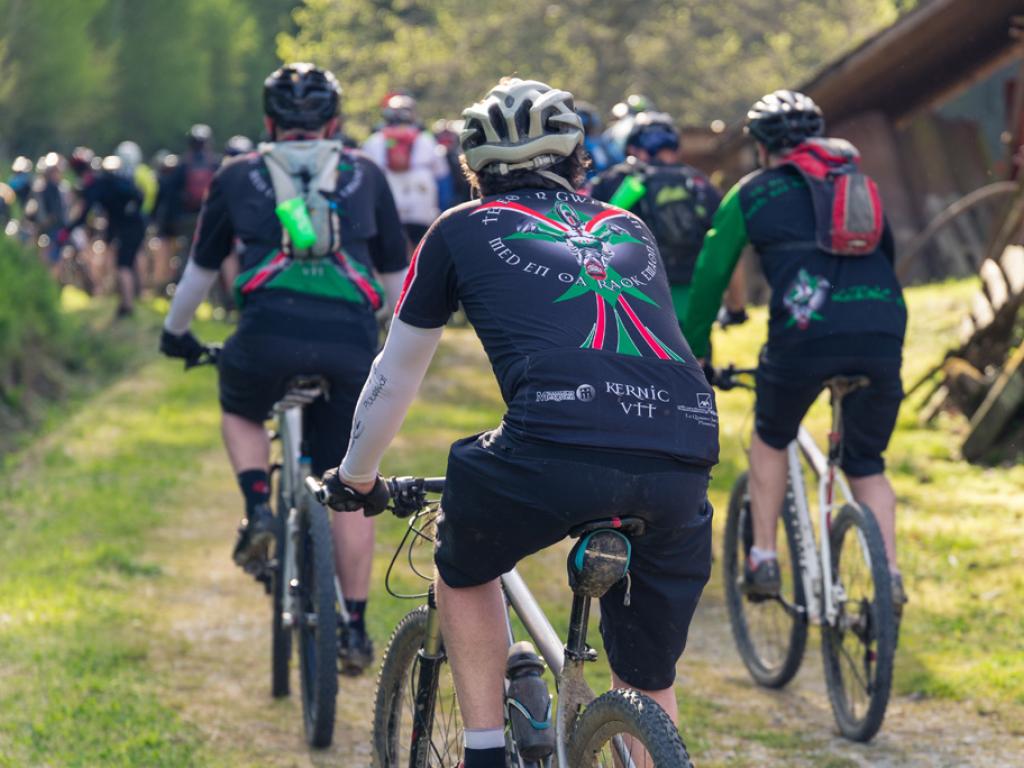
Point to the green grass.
(75, 685)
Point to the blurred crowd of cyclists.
(123, 224)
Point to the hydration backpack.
(674, 206)
(399, 141)
(199, 172)
(847, 206)
(305, 174)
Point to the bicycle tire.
(881, 626)
(626, 712)
(318, 643)
(396, 683)
(280, 636)
(765, 672)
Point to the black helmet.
(784, 119)
(301, 96)
(653, 132)
(238, 145)
(199, 135)
(399, 109)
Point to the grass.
(78, 684)
(76, 509)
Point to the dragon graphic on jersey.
(592, 241)
(805, 296)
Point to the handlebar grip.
(316, 488)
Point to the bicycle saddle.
(303, 390)
(629, 526)
(841, 386)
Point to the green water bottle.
(295, 219)
(629, 193)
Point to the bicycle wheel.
(395, 718)
(770, 634)
(317, 626)
(280, 636)
(858, 648)
(639, 721)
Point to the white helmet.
(130, 155)
(521, 125)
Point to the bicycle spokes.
(855, 633)
(444, 735)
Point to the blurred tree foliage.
(99, 71)
(699, 60)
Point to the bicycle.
(416, 717)
(850, 599)
(306, 598)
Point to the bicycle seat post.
(839, 387)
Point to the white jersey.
(414, 190)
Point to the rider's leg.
(473, 623)
(126, 287)
(353, 553)
(247, 442)
(768, 467)
(876, 492)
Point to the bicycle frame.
(295, 468)
(815, 567)
(565, 661)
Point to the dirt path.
(218, 645)
(217, 655)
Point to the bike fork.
(431, 657)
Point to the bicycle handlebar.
(726, 378)
(209, 356)
(408, 494)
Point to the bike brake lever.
(316, 488)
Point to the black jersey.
(570, 300)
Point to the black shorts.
(256, 366)
(790, 380)
(506, 498)
(128, 238)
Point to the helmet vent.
(523, 118)
(498, 122)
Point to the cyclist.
(675, 200)
(121, 201)
(608, 412)
(304, 310)
(408, 154)
(238, 145)
(831, 313)
(48, 206)
(603, 155)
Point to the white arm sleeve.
(392, 283)
(389, 391)
(189, 294)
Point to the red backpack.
(199, 171)
(847, 206)
(399, 140)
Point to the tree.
(698, 60)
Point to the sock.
(255, 485)
(758, 555)
(485, 748)
(356, 614)
(485, 758)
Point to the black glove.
(727, 317)
(186, 346)
(342, 498)
(709, 370)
